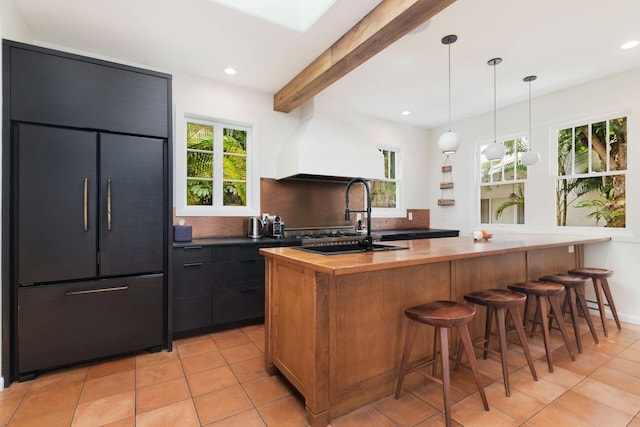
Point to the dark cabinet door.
(57, 188)
(131, 207)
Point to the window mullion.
(218, 148)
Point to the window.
(213, 169)
(384, 193)
(592, 164)
(502, 184)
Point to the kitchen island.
(335, 324)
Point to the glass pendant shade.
(494, 151)
(449, 142)
(529, 158)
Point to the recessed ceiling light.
(630, 44)
(406, 112)
(231, 71)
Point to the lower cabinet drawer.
(246, 303)
(68, 323)
(191, 313)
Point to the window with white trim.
(502, 181)
(591, 175)
(385, 197)
(214, 169)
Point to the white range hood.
(325, 147)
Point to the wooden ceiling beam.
(381, 27)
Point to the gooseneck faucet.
(367, 242)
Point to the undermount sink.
(347, 249)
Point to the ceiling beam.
(381, 27)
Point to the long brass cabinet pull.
(96, 291)
(85, 204)
(109, 205)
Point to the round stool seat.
(565, 279)
(599, 273)
(496, 298)
(442, 314)
(543, 289)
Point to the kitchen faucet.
(367, 242)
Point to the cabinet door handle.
(188, 248)
(85, 204)
(193, 264)
(96, 291)
(108, 205)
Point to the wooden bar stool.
(500, 302)
(545, 294)
(441, 315)
(574, 286)
(600, 283)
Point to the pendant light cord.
(449, 87)
(530, 146)
(495, 121)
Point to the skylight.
(298, 15)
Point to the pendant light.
(449, 142)
(494, 151)
(529, 157)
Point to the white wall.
(612, 95)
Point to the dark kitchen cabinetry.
(86, 210)
(217, 286)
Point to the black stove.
(325, 236)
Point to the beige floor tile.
(16, 389)
(560, 376)
(249, 370)
(610, 396)
(111, 367)
(55, 379)
(266, 389)
(202, 362)
(286, 412)
(591, 411)
(470, 413)
(181, 414)
(555, 416)
(625, 381)
(623, 365)
(462, 378)
(57, 399)
(605, 346)
(366, 416)
(108, 385)
(432, 393)
(161, 394)
(147, 359)
(635, 422)
(631, 354)
(8, 408)
(255, 332)
(158, 372)
(519, 405)
(213, 379)
(241, 352)
(408, 410)
(220, 404)
(196, 346)
(585, 364)
(125, 422)
(250, 418)
(106, 410)
(231, 338)
(437, 420)
(542, 390)
(55, 418)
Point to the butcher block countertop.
(426, 251)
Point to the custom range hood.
(328, 148)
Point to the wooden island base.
(334, 325)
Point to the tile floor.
(219, 380)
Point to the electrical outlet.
(410, 216)
(571, 249)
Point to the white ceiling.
(563, 42)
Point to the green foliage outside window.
(384, 192)
(201, 165)
(591, 162)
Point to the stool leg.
(612, 306)
(598, 290)
(522, 336)
(503, 348)
(465, 339)
(542, 305)
(446, 382)
(412, 328)
(436, 351)
(537, 314)
(487, 331)
(571, 296)
(585, 310)
(555, 309)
